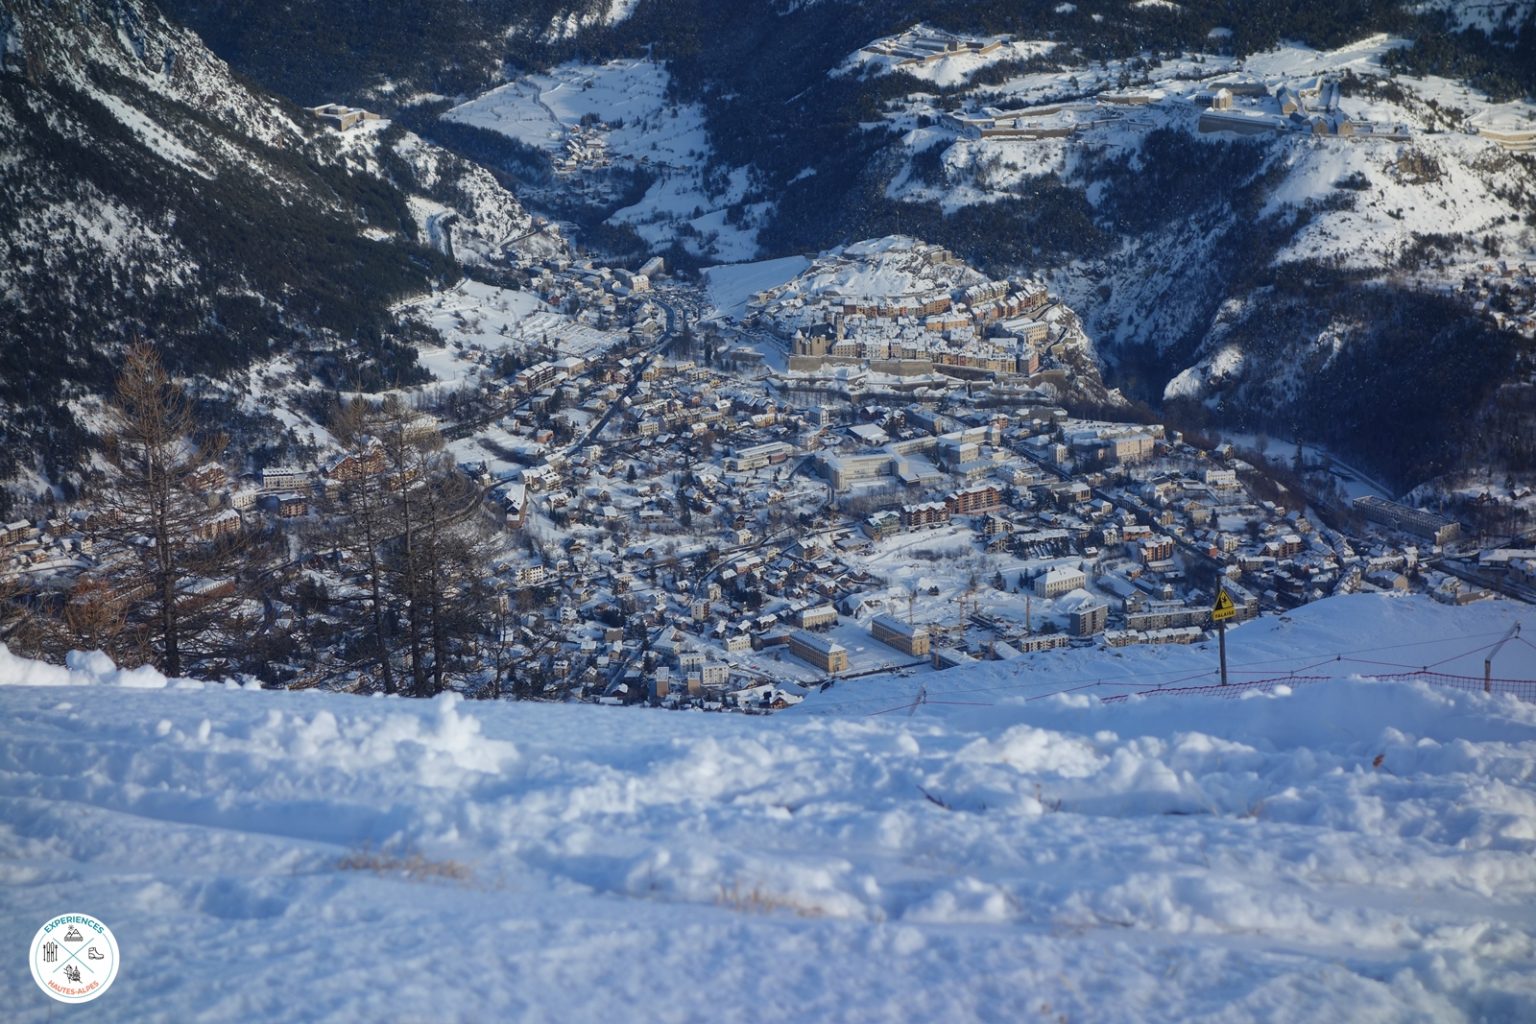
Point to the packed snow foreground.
(1346, 851)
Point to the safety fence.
(1230, 690)
(1525, 689)
(1301, 671)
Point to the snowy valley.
(805, 510)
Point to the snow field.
(1339, 639)
(475, 314)
(1354, 851)
(732, 286)
(944, 71)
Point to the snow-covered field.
(944, 69)
(494, 320)
(472, 313)
(1347, 852)
(732, 286)
(1335, 640)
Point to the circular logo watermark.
(74, 958)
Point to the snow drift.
(1351, 851)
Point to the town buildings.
(1390, 514)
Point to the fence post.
(1514, 631)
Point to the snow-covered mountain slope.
(594, 119)
(1487, 16)
(1255, 236)
(147, 191)
(1425, 201)
(572, 23)
(386, 51)
(459, 207)
(1356, 850)
(79, 45)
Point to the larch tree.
(168, 562)
(21, 628)
(439, 559)
(412, 523)
(364, 525)
(453, 558)
(408, 460)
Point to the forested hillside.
(389, 51)
(149, 192)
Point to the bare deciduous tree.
(168, 564)
(411, 520)
(364, 522)
(22, 629)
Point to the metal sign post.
(1223, 611)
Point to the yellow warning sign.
(1224, 609)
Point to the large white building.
(759, 455)
(1060, 580)
(846, 470)
(283, 478)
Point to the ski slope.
(1353, 851)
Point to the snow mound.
(83, 669)
(883, 270)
